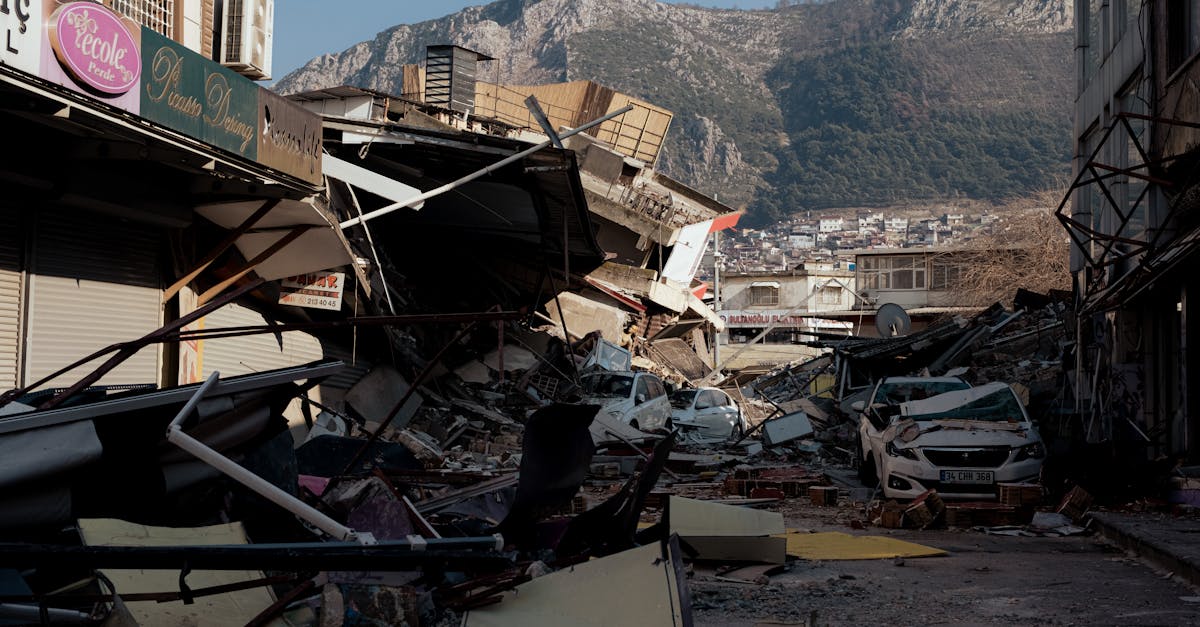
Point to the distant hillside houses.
(811, 238)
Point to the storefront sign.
(188, 93)
(777, 317)
(315, 291)
(289, 137)
(94, 45)
(21, 34)
(91, 50)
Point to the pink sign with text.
(94, 51)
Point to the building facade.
(124, 165)
(1131, 215)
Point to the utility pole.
(717, 294)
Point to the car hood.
(603, 401)
(954, 433)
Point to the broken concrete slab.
(718, 532)
(474, 372)
(786, 428)
(584, 315)
(515, 358)
(641, 586)
(376, 395)
(691, 517)
(422, 446)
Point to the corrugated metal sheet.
(93, 281)
(12, 243)
(257, 353)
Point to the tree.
(1027, 249)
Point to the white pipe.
(212, 380)
(259, 485)
(267, 490)
(478, 173)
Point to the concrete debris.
(440, 461)
(786, 428)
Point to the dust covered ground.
(985, 580)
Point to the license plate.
(968, 476)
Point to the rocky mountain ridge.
(741, 129)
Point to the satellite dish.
(892, 321)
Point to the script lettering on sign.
(95, 47)
(218, 93)
(289, 137)
(166, 71)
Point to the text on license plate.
(968, 476)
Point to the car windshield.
(618, 385)
(999, 406)
(682, 399)
(894, 393)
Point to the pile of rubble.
(480, 492)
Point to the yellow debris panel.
(231, 608)
(835, 545)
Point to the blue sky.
(306, 28)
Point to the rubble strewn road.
(985, 580)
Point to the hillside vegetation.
(808, 106)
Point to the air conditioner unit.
(246, 37)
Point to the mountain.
(806, 106)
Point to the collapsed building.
(212, 297)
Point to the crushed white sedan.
(961, 443)
(708, 414)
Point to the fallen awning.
(318, 247)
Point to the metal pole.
(758, 337)
(717, 294)
(478, 173)
(271, 492)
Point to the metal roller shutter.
(93, 281)
(256, 353)
(12, 245)
(252, 353)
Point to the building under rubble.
(1130, 214)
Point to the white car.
(961, 443)
(638, 399)
(710, 412)
(882, 406)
